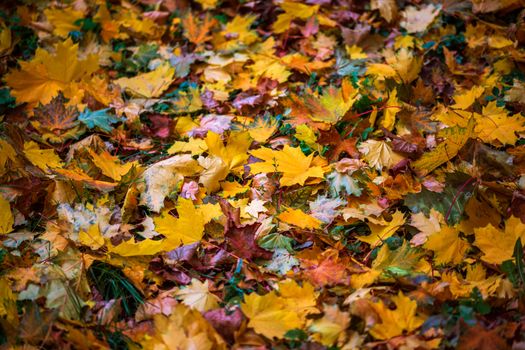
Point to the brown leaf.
(480, 338)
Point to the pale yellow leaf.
(149, 85)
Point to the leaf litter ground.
(262, 174)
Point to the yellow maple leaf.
(335, 105)
(239, 27)
(381, 232)
(455, 138)
(6, 216)
(355, 52)
(496, 245)
(305, 134)
(447, 246)
(394, 322)
(63, 20)
(45, 159)
(272, 315)
(298, 218)
(466, 98)
(215, 170)
(231, 189)
(404, 63)
(110, 165)
(149, 85)
(267, 315)
(40, 79)
(194, 146)
(381, 70)
(261, 130)
(92, 237)
(300, 298)
(476, 278)
(197, 296)
(333, 323)
(234, 154)
(389, 114)
(187, 228)
(185, 328)
(266, 64)
(293, 10)
(132, 248)
(379, 154)
(496, 125)
(291, 162)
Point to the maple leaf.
(63, 20)
(183, 329)
(196, 31)
(447, 246)
(148, 85)
(241, 238)
(498, 246)
(42, 78)
(379, 154)
(426, 226)
(395, 322)
(272, 315)
(328, 272)
(476, 279)
(110, 165)
(100, 119)
(496, 125)
(415, 20)
(478, 337)
(399, 262)
(186, 229)
(45, 159)
(325, 209)
(466, 98)
(330, 107)
(381, 232)
(197, 296)
(389, 115)
(194, 146)
(298, 218)
(333, 323)
(267, 65)
(295, 166)
(92, 237)
(268, 315)
(455, 139)
(55, 121)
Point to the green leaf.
(100, 119)
(275, 241)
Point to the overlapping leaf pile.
(262, 174)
